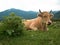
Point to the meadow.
(50, 37)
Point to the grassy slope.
(51, 37)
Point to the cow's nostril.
(49, 23)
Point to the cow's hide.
(40, 22)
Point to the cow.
(41, 22)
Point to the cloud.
(58, 2)
(30, 4)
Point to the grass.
(51, 37)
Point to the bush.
(12, 25)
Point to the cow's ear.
(51, 15)
(40, 15)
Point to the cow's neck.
(40, 19)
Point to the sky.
(30, 5)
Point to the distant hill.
(23, 14)
(56, 14)
(26, 14)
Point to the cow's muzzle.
(49, 23)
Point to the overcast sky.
(32, 5)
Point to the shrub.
(12, 25)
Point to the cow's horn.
(39, 10)
(51, 11)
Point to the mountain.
(56, 14)
(26, 14)
(23, 14)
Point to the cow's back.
(34, 22)
(27, 23)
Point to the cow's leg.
(45, 27)
(41, 27)
(32, 26)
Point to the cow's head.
(46, 16)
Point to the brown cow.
(39, 23)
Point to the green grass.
(51, 37)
